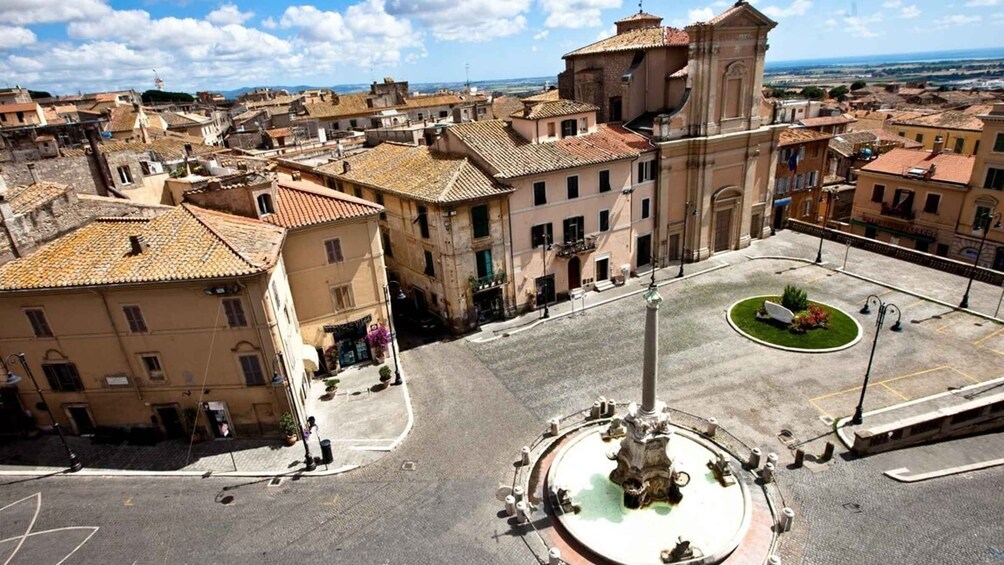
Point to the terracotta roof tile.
(417, 172)
(26, 198)
(513, 156)
(827, 121)
(276, 133)
(845, 143)
(552, 109)
(502, 106)
(639, 16)
(355, 104)
(792, 136)
(950, 119)
(644, 38)
(167, 148)
(185, 243)
(948, 167)
(20, 107)
(305, 204)
(548, 96)
(184, 119)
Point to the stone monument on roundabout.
(666, 495)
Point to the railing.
(898, 211)
(576, 247)
(487, 282)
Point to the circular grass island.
(842, 331)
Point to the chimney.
(346, 167)
(138, 244)
(295, 175)
(33, 172)
(939, 145)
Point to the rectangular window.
(483, 259)
(134, 316)
(604, 220)
(605, 181)
(387, 249)
(999, 143)
(646, 171)
(341, 297)
(781, 186)
(357, 192)
(574, 229)
(125, 175)
(920, 138)
(931, 203)
(378, 196)
(645, 205)
(235, 312)
(812, 179)
(550, 129)
(979, 218)
(572, 187)
(959, 144)
(251, 368)
(153, 367)
(39, 325)
(430, 267)
(423, 221)
(995, 179)
(542, 234)
(353, 123)
(333, 249)
(539, 193)
(806, 207)
(568, 128)
(797, 185)
(479, 219)
(62, 377)
(878, 193)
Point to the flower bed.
(839, 329)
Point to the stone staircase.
(603, 285)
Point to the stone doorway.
(574, 273)
(723, 230)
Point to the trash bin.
(326, 455)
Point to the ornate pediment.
(742, 15)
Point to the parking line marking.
(914, 303)
(816, 406)
(997, 352)
(982, 339)
(894, 379)
(894, 391)
(817, 279)
(965, 375)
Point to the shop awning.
(782, 202)
(310, 360)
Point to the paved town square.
(432, 499)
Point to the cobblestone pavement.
(476, 404)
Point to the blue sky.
(70, 45)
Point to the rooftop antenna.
(639, 6)
(467, 72)
(157, 83)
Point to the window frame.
(233, 307)
(342, 298)
(56, 385)
(878, 193)
(39, 327)
(603, 221)
(125, 174)
(333, 251)
(430, 264)
(151, 373)
(539, 193)
(580, 222)
(603, 179)
(258, 365)
(137, 324)
(536, 240)
(480, 263)
(423, 222)
(994, 179)
(998, 143)
(569, 128)
(486, 223)
(572, 187)
(927, 202)
(646, 208)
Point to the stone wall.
(78, 172)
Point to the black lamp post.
(683, 240)
(75, 464)
(883, 308)
(545, 246)
(393, 335)
(822, 233)
(308, 458)
(986, 219)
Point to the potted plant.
(330, 386)
(385, 375)
(288, 427)
(378, 339)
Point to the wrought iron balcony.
(902, 211)
(487, 282)
(576, 247)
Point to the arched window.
(265, 205)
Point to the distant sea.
(870, 60)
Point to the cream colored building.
(986, 196)
(141, 322)
(959, 130)
(444, 230)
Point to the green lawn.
(842, 329)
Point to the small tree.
(858, 85)
(813, 93)
(840, 93)
(794, 298)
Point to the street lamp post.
(986, 219)
(545, 245)
(75, 464)
(683, 240)
(883, 308)
(826, 212)
(308, 458)
(393, 335)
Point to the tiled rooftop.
(185, 243)
(26, 198)
(645, 38)
(792, 136)
(827, 121)
(844, 143)
(417, 172)
(350, 105)
(513, 156)
(303, 203)
(168, 148)
(951, 119)
(552, 109)
(948, 167)
(184, 119)
(548, 96)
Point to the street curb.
(597, 304)
(900, 474)
(848, 345)
(62, 472)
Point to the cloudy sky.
(70, 45)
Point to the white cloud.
(861, 26)
(956, 20)
(576, 13)
(23, 12)
(471, 20)
(830, 23)
(13, 37)
(796, 8)
(605, 33)
(983, 3)
(541, 35)
(892, 4)
(700, 14)
(908, 12)
(228, 14)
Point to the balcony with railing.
(902, 211)
(487, 282)
(577, 247)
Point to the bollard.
(521, 517)
(787, 516)
(611, 408)
(754, 460)
(553, 426)
(799, 457)
(594, 412)
(828, 452)
(712, 427)
(524, 456)
(517, 493)
(768, 473)
(773, 560)
(510, 505)
(554, 556)
(772, 458)
(603, 406)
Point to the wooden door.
(723, 229)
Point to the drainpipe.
(512, 256)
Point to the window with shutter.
(333, 248)
(251, 368)
(62, 377)
(235, 312)
(480, 221)
(134, 316)
(39, 325)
